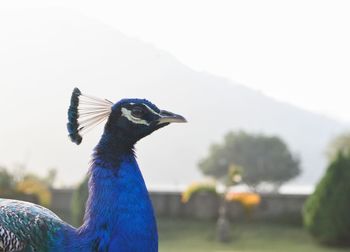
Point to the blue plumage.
(119, 214)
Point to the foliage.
(262, 158)
(326, 212)
(15, 185)
(196, 188)
(78, 202)
(341, 143)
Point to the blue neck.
(119, 214)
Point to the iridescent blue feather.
(28, 227)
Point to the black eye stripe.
(140, 111)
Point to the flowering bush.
(33, 186)
(248, 200)
(198, 187)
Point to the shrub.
(327, 211)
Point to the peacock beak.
(169, 117)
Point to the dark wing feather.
(27, 227)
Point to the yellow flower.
(247, 199)
(36, 187)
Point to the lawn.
(199, 236)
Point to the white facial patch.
(127, 113)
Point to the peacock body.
(119, 216)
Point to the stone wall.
(204, 206)
(61, 203)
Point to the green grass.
(199, 236)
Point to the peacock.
(119, 216)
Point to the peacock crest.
(84, 113)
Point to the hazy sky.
(295, 51)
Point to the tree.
(262, 158)
(7, 181)
(326, 212)
(50, 177)
(341, 143)
(78, 203)
(233, 177)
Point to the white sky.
(295, 51)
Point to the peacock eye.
(137, 112)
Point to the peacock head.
(138, 118)
(131, 118)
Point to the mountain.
(46, 52)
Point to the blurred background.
(262, 165)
